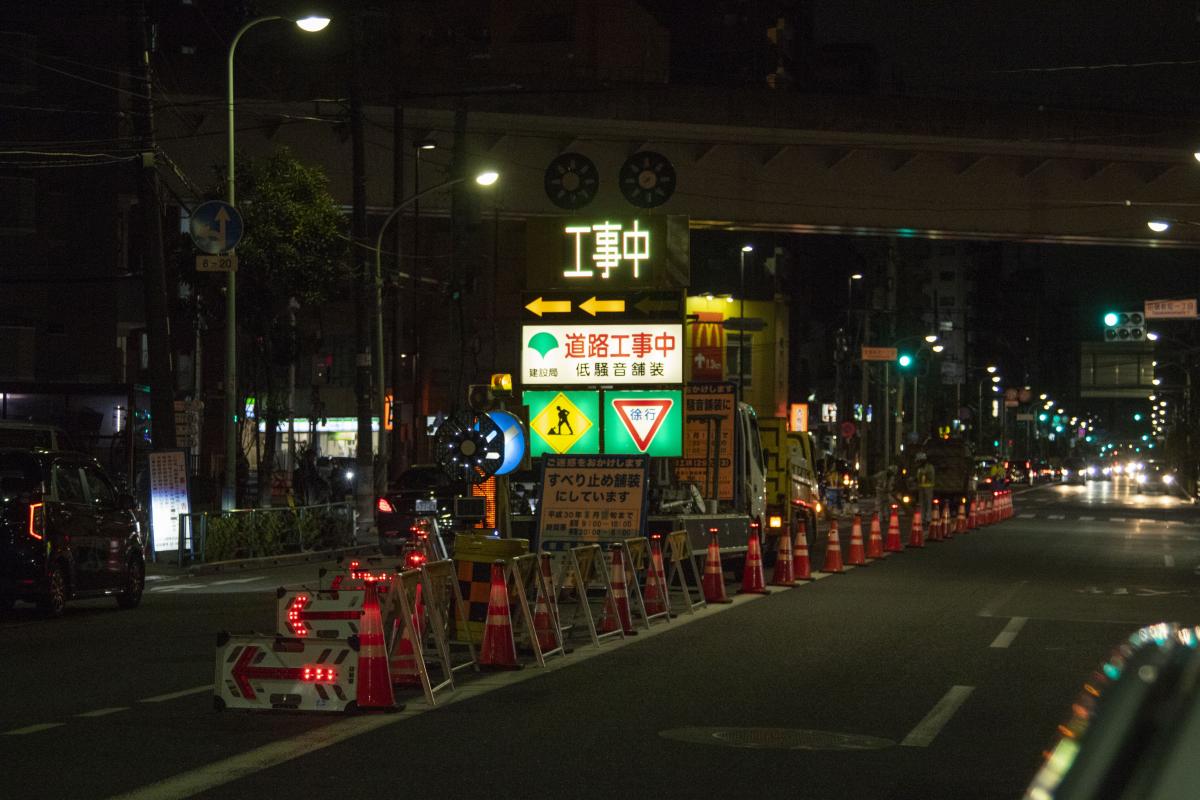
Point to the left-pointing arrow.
(243, 673)
(593, 306)
(540, 306)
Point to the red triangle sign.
(643, 418)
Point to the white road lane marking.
(1087, 519)
(1056, 516)
(175, 587)
(928, 728)
(228, 581)
(1026, 516)
(1116, 519)
(162, 698)
(103, 712)
(1006, 636)
(43, 726)
(1168, 560)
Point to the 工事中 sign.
(649, 422)
(594, 354)
(606, 253)
(563, 422)
(592, 498)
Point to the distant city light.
(1158, 225)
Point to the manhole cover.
(777, 738)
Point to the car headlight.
(1168, 479)
(1091, 470)
(1066, 473)
(1141, 478)
(349, 474)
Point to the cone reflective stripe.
(856, 555)
(961, 524)
(875, 540)
(916, 535)
(833, 550)
(374, 683)
(616, 607)
(753, 581)
(403, 664)
(655, 596)
(801, 566)
(893, 544)
(498, 650)
(783, 575)
(713, 581)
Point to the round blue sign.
(215, 227)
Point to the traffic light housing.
(1124, 326)
(480, 397)
(905, 361)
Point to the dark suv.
(65, 532)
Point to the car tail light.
(755, 524)
(37, 521)
(385, 506)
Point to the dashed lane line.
(175, 587)
(1056, 516)
(229, 581)
(162, 698)
(1168, 560)
(1087, 519)
(1026, 516)
(41, 726)
(1006, 636)
(928, 728)
(103, 712)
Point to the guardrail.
(252, 532)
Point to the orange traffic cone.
(875, 540)
(374, 683)
(856, 556)
(961, 525)
(543, 618)
(801, 566)
(403, 664)
(932, 535)
(498, 650)
(947, 522)
(616, 606)
(916, 535)
(972, 515)
(656, 597)
(713, 581)
(753, 581)
(894, 543)
(783, 575)
(833, 550)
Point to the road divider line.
(175, 587)
(162, 698)
(42, 726)
(928, 728)
(1087, 519)
(1056, 516)
(228, 581)
(1168, 560)
(103, 712)
(1006, 636)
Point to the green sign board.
(563, 422)
(649, 422)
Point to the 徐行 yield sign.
(643, 422)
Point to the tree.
(291, 260)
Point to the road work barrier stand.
(321, 614)
(440, 587)
(525, 576)
(581, 566)
(638, 562)
(679, 550)
(259, 672)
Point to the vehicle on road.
(423, 490)
(1156, 477)
(1074, 471)
(65, 532)
(953, 469)
(1099, 470)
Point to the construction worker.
(925, 476)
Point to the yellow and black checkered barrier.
(473, 557)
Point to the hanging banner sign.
(592, 498)
(563, 422)
(594, 354)
(607, 253)
(644, 422)
(708, 439)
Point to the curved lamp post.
(310, 24)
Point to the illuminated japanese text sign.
(647, 353)
(607, 253)
(592, 498)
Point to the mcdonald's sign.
(708, 347)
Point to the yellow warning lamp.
(775, 521)
(502, 384)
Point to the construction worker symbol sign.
(563, 422)
(644, 422)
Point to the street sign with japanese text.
(879, 353)
(594, 306)
(563, 422)
(592, 498)
(798, 417)
(649, 422)
(708, 439)
(576, 354)
(607, 253)
(1171, 309)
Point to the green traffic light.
(1043, 417)
(905, 360)
(1137, 417)
(1111, 318)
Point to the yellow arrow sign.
(540, 306)
(593, 306)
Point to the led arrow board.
(648, 353)
(644, 422)
(563, 422)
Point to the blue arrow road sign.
(215, 227)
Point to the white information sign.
(582, 353)
(168, 497)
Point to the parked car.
(419, 491)
(65, 532)
(34, 435)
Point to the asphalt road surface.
(933, 674)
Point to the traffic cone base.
(857, 555)
(784, 575)
(875, 540)
(833, 551)
(801, 566)
(713, 582)
(894, 544)
(753, 581)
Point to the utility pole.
(864, 439)
(154, 278)
(364, 282)
(395, 450)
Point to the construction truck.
(793, 493)
(719, 485)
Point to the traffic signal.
(1124, 326)
(905, 361)
(1137, 417)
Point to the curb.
(266, 562)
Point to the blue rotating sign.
(215, 227)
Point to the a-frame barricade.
(524, 576)
(679, 551)
(638, 563)
(442, 598)
(581, 566)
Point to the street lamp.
(310, 24)
(746, 248)
(484, 178)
